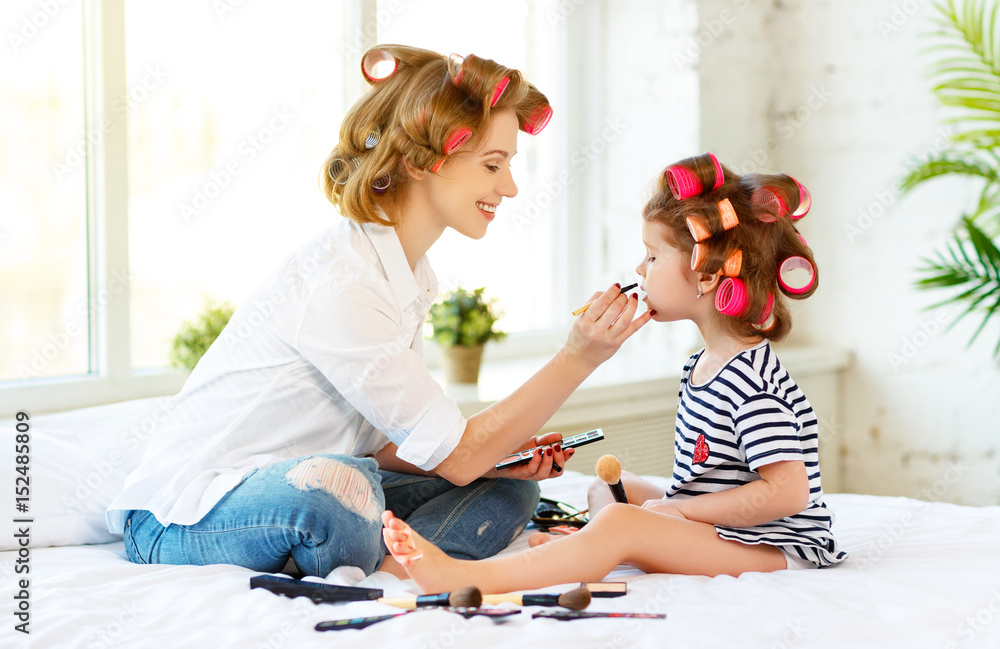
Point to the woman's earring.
(698, 297)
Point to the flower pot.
(462, 363)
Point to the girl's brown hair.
(411, 115)
(765, 236)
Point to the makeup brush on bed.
(468, 597)
(575, 600)
(609, 469)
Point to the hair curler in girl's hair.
(731, 297)
(766, 313)
(685, 183)
(788, 282)
(378, 65)
(720, 176)
(772, 206)
(733, 263)
(698, 230)
(805, 202)
(728, 214)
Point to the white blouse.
(324, 357)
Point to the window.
(44, 317)
(228, 129)
(522, 249)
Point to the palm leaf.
(970, 264)
(953, 162)
(970, 78)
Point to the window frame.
(111, 377)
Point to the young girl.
(722, 251)
(313, 411)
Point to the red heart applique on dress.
(700, 450)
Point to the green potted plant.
(194, 338)
(462, 322)
(967, 77)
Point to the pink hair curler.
(802, 239)
(538, 120)
(768, 307)
(728, 214)
(790, 281)
(456, 66)
(772, 204)
(498, 90)
(720, 176)
(378, 65)
(698, 230)
(733, 263)
(683, 183)
(457, 139)
(696, 256)
(805, 202)
(437, 165)
(731, 297)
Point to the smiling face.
(667, 278)
(466, 191)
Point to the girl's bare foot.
(432, 570)
(554, 534)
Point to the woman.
(313, 412)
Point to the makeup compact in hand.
(570, 442)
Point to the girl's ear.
(415, 173)
(708, 282)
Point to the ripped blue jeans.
(324, 511)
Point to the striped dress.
(751, 413)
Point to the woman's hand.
(664, 506)
(548, 460)
(600, 330)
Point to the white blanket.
(919, 575)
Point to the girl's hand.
(664, 506)
(543, 463)
(599, 331)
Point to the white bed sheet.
(919, 575)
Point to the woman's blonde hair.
(428, 107)
(742, 226)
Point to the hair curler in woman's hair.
(792, 283)
(498, 90)
(381, 184)
(378, 65)
(457, 139)
(538, 120)
(731, 297)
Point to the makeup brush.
(587, 305)
(609, 469)
(468, 597)
(576, 599)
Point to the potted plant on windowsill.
(462, 323)
(195, 337)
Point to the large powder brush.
(609, 469)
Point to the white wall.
(834, 93)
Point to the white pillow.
(78, 463)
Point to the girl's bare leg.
(638, 490)
(621, 534)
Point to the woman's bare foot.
(432, 570)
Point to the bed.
(919, 575)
